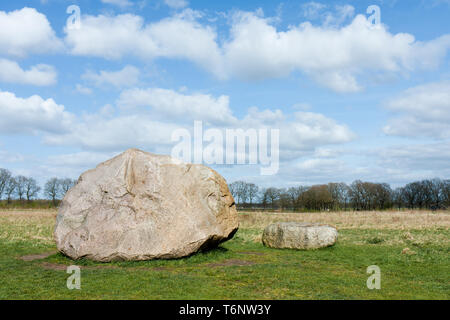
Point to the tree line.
(425, 194)
(27, 189)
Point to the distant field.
(243, 268)
(405, 219)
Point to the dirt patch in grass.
(230, 263)
(32, 257)
(54, 266)
(251, 253)
(63, 267)
(161, 269)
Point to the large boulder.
(299, 235)
(142, 206)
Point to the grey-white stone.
(299, 235)
(141, 206)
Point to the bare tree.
(409, 194)
(21, 182)
(272, 195)
(294, 194)
(239, 190)
(446, 192)
(263, 199)
(381, 195)
(340, 194)
(430, 194)
(31, 189)
(10, 188)
(52, 189)
(233, 190)
(397, 198)
(284, 199)
(252, 192)
(66, 184)
(5, 176)
(436, 192)
(424, 196)
(317, 198)
(243, 191)
(358, 195)
(370, 196)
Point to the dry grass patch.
(25, 213)
(27, 225)
(396, 220)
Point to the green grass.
(241, 268)
(338, 272)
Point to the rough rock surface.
(142, 206)
(297, 235)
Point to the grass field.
(243, 268)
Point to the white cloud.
(39, 75)
(100, 133)
(396, 164)
(26, 31)
(179, 106)
(128, 76)
(65, 165)
(333, 56)
(79, 159)
(326, 152)
(9, 157)
(341, 14)
(180, 36)
(107, 37)
(120, 3)
(314, 11)
(82, 89)
(419, 157)
(146, 118)
(319, 166)
(338, 81)
(424, 111)
(300, 132)
(336, 56)
(176, 4)
(311, 10)
(400, 164)
(265, 116)
(136, 124)
(31, 115)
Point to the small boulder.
(299, 235)
(142, 206)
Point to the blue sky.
(352, 100)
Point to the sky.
(354, 95)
